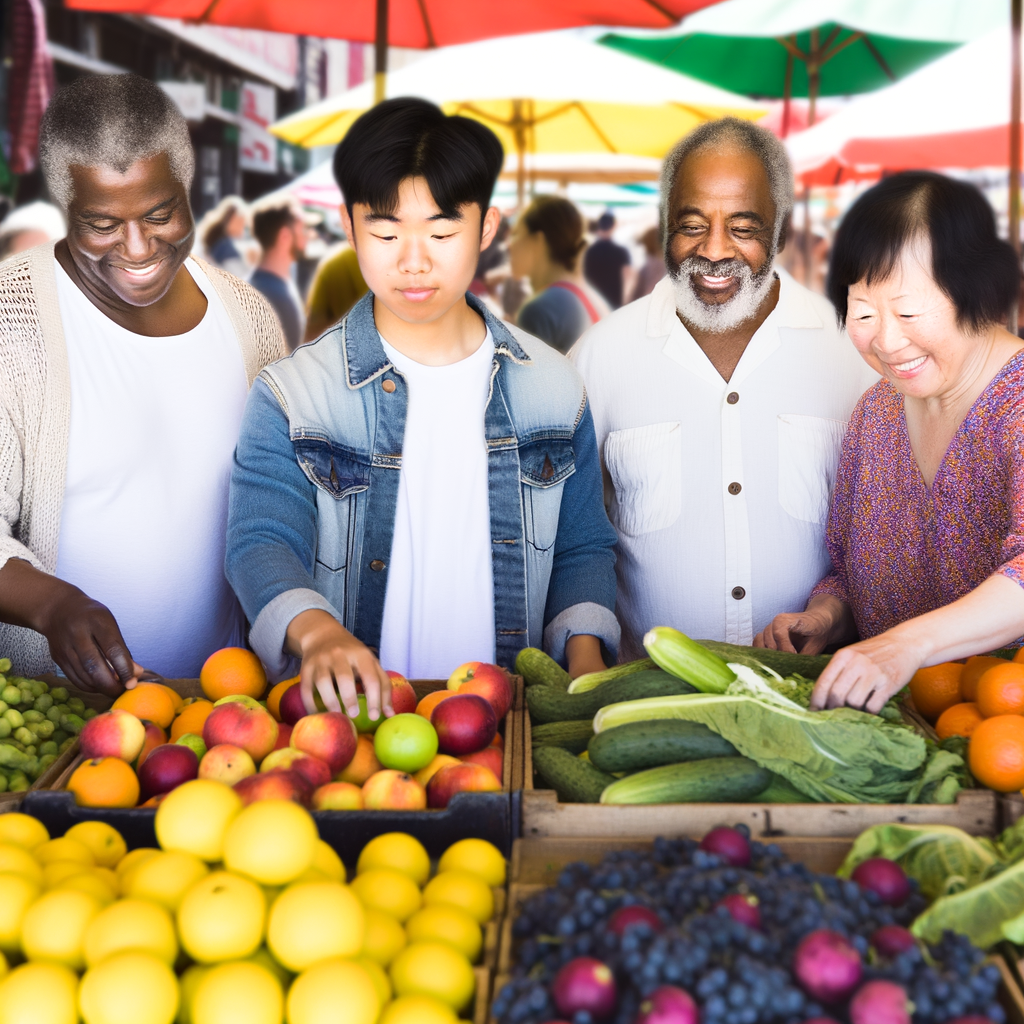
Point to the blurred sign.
(258, 151)
(190, 98)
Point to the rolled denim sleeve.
(581, 594)
(271, 539)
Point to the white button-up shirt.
(718, 489)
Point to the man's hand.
(825, 621)
(332, 655)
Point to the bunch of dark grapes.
(737, 974)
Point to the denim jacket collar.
(364, 355)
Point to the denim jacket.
(315, 486)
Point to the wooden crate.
(976, 811)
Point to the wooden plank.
(482, 997)
(1010, 997)
(1011, 808)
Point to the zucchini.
(714, 780)
(676, 653)
(571, 736)
(783, 662)
(574, 780)
(592, 680)
(631, 748)
(537, 669)
(549, 704)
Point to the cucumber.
(639, 745)
(571, 736)
(592, 680)
(783, 662)
(712, 781)
(574, 780)
(781, 791)
(537, 669)
(549, 704)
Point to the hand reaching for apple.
(332, 655)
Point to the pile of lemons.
(242, 916)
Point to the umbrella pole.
(1015, 139)
(380, 52)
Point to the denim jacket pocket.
(545, 464)
(337, 470)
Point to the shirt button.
(388, 385)
(376, 565)
(739, 593)
(735, 488)
(733, 397)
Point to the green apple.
(405, 743)
(193, 741)
(363, 722)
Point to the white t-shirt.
(439, 605)
(154, 422)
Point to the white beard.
(717, 318)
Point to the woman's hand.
(825, 620)
(867, 674)
(331, 654)
(583, 653)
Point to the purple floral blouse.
(900, 549)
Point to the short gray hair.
(744, 135)
(111, 121)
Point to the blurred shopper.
(720, 402)
(654, 268)
(220, 231)
(124, 368)
(546, 247)
(606, 264)
(282, 229)
(30, 225)
(336, 288)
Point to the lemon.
(54, 926)
(433, 969)
(130, 924)
(16, 860)
(105, 842)
(384, 937)
(131, 860)
(54, 850)
(91, 883)
(389, 891)
(380, 980)
(194, 817)
(318, 995)
(271, 841)
(398, 851)
(417, 1010)
(326, 861)
(461, 889)
(17, 894)
(188, 983)
(264, 959)
(221, 918)
(315, 921)
(54, 874)
(129, 988)
(39, 994)
(238, 993)
(165, 878)
(3, 965)
(445, 923)
(22, 830)
(478, 857)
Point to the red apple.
(489, 757)
(226, 763)
(315, 770)
(280, 784)
(487, 681)
(284, 735)
(252, 729)
(115, 733)
(168, 766)
(391, 790)
(291, 708)
(462, 778)
(403, 696)
(331, 736)
(464, 723)
(338, 796)
(155, 737)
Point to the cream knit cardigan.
(35, 413)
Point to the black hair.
(562, 226)
(977, 270)
(411, 138)
(606, 221)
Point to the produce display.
(241, 916)
(728, 931)
(152, 740)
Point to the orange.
(996, 753)
(191, 719)
(149, 701)
(176, 698)
(974, 669)
(275, 695)
(936, 688)
(232, 670)
(427, 705)
(108, 782)
(1019, 656)
(959, 720)
(1001, 690)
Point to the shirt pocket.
(646, 468)
(544, 465)
(808, 456)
